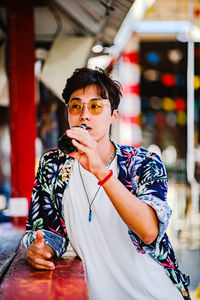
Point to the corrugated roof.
(100, 19)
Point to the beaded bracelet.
(106, 178)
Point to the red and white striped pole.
(130, 109)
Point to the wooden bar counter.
(66, 281)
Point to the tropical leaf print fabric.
(143, 174)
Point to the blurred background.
(152, 47)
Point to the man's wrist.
(101, 173)
(106, 178)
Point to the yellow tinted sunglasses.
(95, 106)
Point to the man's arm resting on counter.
(42, 245)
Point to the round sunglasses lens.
(75, 107)
(96, 107)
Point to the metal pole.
(190, 120)
(22, 96)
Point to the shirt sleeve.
(152, 186)
(44, 212)
(55, 241)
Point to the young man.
(109, 200)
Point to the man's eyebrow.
(75, 98)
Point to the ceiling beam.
(79, 15)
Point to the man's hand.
(88, 154)
(39, 253)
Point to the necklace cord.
(90, 203)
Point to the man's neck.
(106, 151)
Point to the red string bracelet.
(106, 178)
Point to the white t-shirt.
(114, 269)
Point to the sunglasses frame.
(88, 106)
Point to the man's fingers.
(39, 236)
(39, 253)
(41, 264)
(80, 135)
(79, 146)
(40, 267)
(35, 250)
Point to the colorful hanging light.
(168, 79)
(180, 104)
(168, 104)
(153, 57)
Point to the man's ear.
(114, 116)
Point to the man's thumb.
(39, 236)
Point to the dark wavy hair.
(83, 77)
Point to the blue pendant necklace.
(90, 203)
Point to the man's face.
(95, 112)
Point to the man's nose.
(85, 114)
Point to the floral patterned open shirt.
(142, 173)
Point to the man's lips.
(89, 129)
(86, 127)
